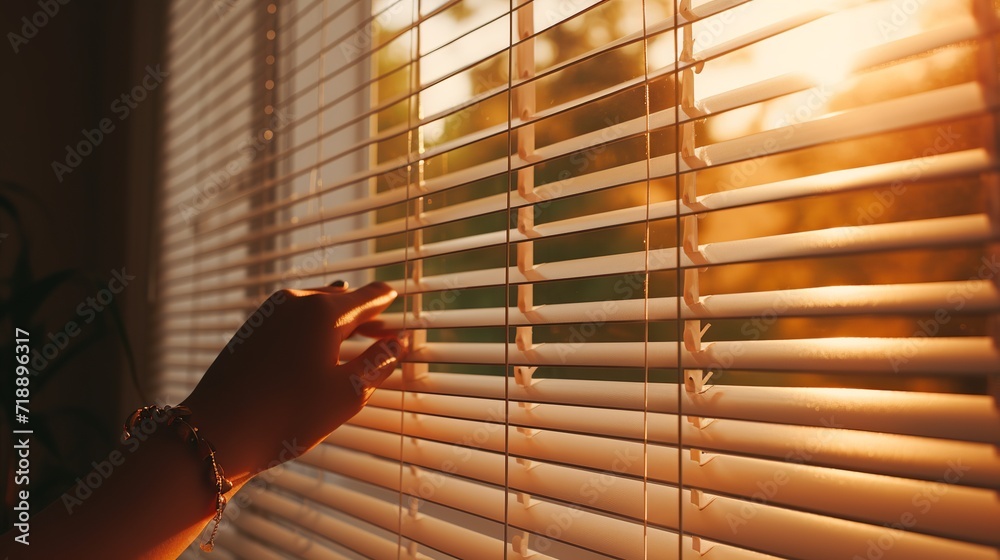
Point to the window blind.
(685, 278)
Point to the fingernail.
(404, 341)
(338, 284)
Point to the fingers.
(377, 329)
(363, 305)
(335, 287)
(374, 365)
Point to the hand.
(277, 389)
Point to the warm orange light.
(828, 57)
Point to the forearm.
(264, 404)
(152, 506)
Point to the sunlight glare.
(824, 49)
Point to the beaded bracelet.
(178, 416)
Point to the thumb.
(367, 371)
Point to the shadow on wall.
(70, 252)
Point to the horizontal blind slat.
(452, 539)
(802, 302)
(293, 543)
(887, 53)
(883, 411)
(344, 534)
(942, 356)
(947, 103)
(927, 107)
(245, 546)
(829, 445)
(942, 166)
(872, 498)
(908, 413)
(800, 486)
(820, 537)
(955, 356)
(914, 234)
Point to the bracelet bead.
(179, 417)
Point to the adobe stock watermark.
(754, 328)
(362, 39)
(914, 169)
(223, 7)
(958, 297)
(122, 107)
(598, 316)
(441, 302)
(816, 99)
(312, 264)
(104, 469)
(944, 140)
(257, 319)
(709, 31)
(556, 12)
(767, 490)
(922, 503)
(87, 311)
(31, 25)
(432, 480)
(219, 181)
(591, 491)
(581, 161)
(389, 352)
(272, 471)
(902, 12)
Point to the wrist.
(231, 454)
(179, 420)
